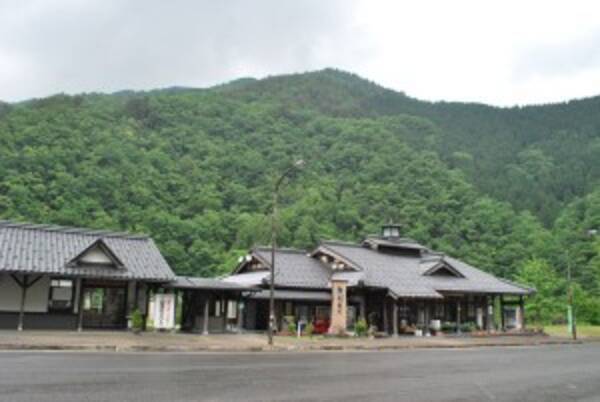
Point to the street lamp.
(571, 317)
(296, 165)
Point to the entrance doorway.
(262, 315)
(104, 307)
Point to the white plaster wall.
(36, 300)
(96, 256)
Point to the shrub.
(137, 320)
(448, 327)
(468, 327)
(360, 328)
(291, 327)
(309, 329)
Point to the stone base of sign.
(338, 307)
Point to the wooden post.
(502, 323)
(147, 312)
(522, 311)
(395, 320)
(224, 308)
(240, 316)
(80, 305)
(425, 318)
(386, 328)
(489, 313)
(176, 302)
(24, 285)
(362, 308)
(458, 310)
(486, 318)
(206, 317)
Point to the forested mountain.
(536, 157)
(513, 191)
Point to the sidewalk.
(178, 342)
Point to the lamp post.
(297, 165)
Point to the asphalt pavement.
(539, 373)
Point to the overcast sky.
(498, 52)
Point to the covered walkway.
(210, 305)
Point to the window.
(323, 312)
(439, 310)
(217, 308)
(470, 309)
(231, 309)
(61, 294)
(289, 308)
(93, 300)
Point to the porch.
(208, 305)
(454, 313)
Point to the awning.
(304, 295)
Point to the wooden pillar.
(486, 319)
(425, 318)
(489, 314)
(130, 302)
(395, 320)
(80, 305)
(386, 328)
(240, 315)
(458, 311)
(24, 286)
(522, 311)
(184, 307)
(206, 315)
(176, 302)
(502, 323)
(362, 307)
(224, 306)
(147, 315)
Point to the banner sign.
(164, 311)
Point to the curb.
(289, 348)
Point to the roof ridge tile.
(71, 230)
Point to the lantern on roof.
(391, 230)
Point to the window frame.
(51, 287)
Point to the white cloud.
(502, 52)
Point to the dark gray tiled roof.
(294, 268)
(46, 249)
(257, 278)
(403, 275)
(190, 282)
(281, 294)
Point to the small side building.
(55, 277)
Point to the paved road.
(546, 373)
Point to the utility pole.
(570, 311)
(297, 165)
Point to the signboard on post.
(164, 311)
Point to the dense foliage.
(508, 190)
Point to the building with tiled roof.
(394, 283)
(64, 277)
